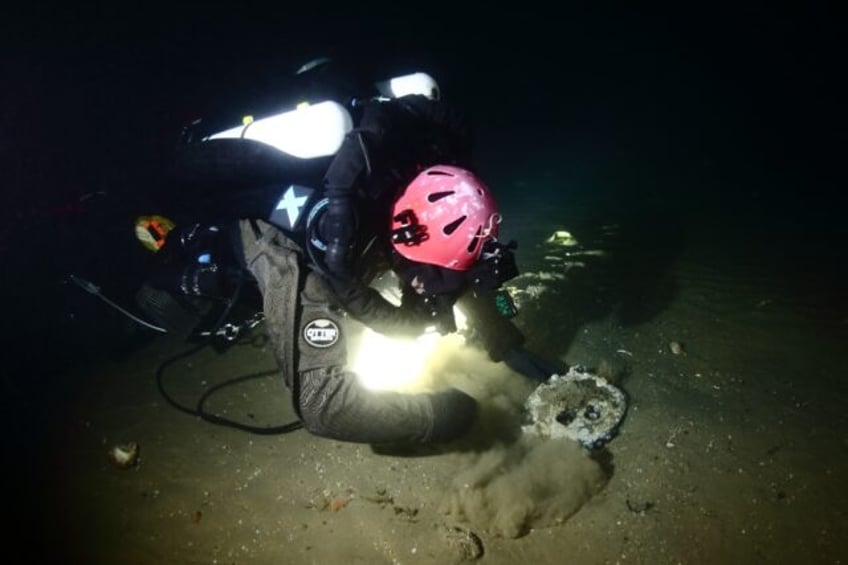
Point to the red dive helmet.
(443, 218)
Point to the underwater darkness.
(741, 120)
(732, 120)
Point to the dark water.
(703, 155)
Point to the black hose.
(199, 411)
(285, 428)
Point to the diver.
(378, 181)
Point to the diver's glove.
(437, 309)
(532, 366)
(440, 310)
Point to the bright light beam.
(386, 363)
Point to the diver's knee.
(313, 423)
(313, 413)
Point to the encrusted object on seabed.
(578, 405)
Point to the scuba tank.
(284, 153)
(314, 122)
(305, 132)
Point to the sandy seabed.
(733, 450)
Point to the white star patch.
(292, 204)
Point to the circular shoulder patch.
(321, 333)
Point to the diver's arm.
(497, 334)
(503, 341)
(368, 306)
(344, 176)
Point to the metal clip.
(229, 331)
(254, 320)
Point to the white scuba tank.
(318, 130)
(309, 130)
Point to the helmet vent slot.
(436, 196)
(451, 227)
(472, 245)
